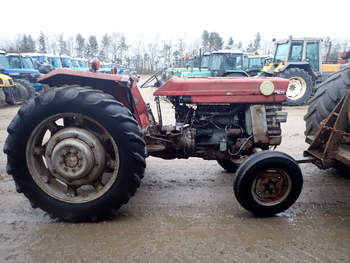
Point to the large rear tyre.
(28, 86)
(20, 93)
(76, 153)
(299, 88)
(327, 96)
(268, 183)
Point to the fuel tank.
(226, 89)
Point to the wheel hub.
(271, 187)
(75, 156)
(296, 88)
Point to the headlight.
(267, 88)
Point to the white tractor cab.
(55, 61)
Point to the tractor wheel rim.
(72, 158)
(271, 187)
(296, 88)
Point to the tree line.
(143, 56)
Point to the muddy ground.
(185, 211)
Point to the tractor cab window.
(216, 62)
(312, 55)
(27, 63)
(256, 63)
(197, 61)
(189, 63)
(281, 53)
(66, 63)
(205, 62)
(14, 61)
(75, 63)
(83, 63)
(36, 62)
(233, 62)
(55, 62)
(296, 52)
(4, 62)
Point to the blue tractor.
(55, 61)
(21, 70)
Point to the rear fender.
(122, 87)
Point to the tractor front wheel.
(300, 86)
(268, 183)
(76, 153)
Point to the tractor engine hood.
(226, 90)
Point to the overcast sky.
(177, 18)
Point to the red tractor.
(78, 150)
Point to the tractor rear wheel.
(76, 153)
(299, 88)
(28, 86)
(20, 92)
(268, 183)
(327, 96)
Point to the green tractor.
(187, 64)
(227, 63)
(222, 63)
(201, 68)
(298, 60)
(253, 64)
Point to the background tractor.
(299, 60)
(253, 64)
(78, 150)
(23, 76)
(10, 92)
(222, 63)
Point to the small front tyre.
(268, 183)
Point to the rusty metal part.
(234, 132)
(159, 111)
(332, 141)
(271, 187)
(308, 159)
(70, 163)
(186, 142)
(76, 155)
(155, 148)
(257, 115)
